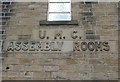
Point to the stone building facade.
(85, 48)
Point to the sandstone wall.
(99, 18)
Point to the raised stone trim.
(73, 22)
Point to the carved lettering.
(74, 35)
(91, 46)
(32, 46)
(25, 46)
(11, 46)
(83, 46)
(58, 35)
(18, 46)
(76, 46)
(35, 46)
(106, 46)
(42, 34)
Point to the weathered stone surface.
(59, 75)
(82, 65)
(41, 75)
(51, 68)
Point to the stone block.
(25, 61)
(33, 68)
(11, 60)
(51, 68)
(59, 76)
(69, 68)
(102, 68)
(84, 76)
(99, 76)
(113, 76)
(41, 75)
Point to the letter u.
(42, 34)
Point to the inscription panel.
(61, 40)
(58, 34)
